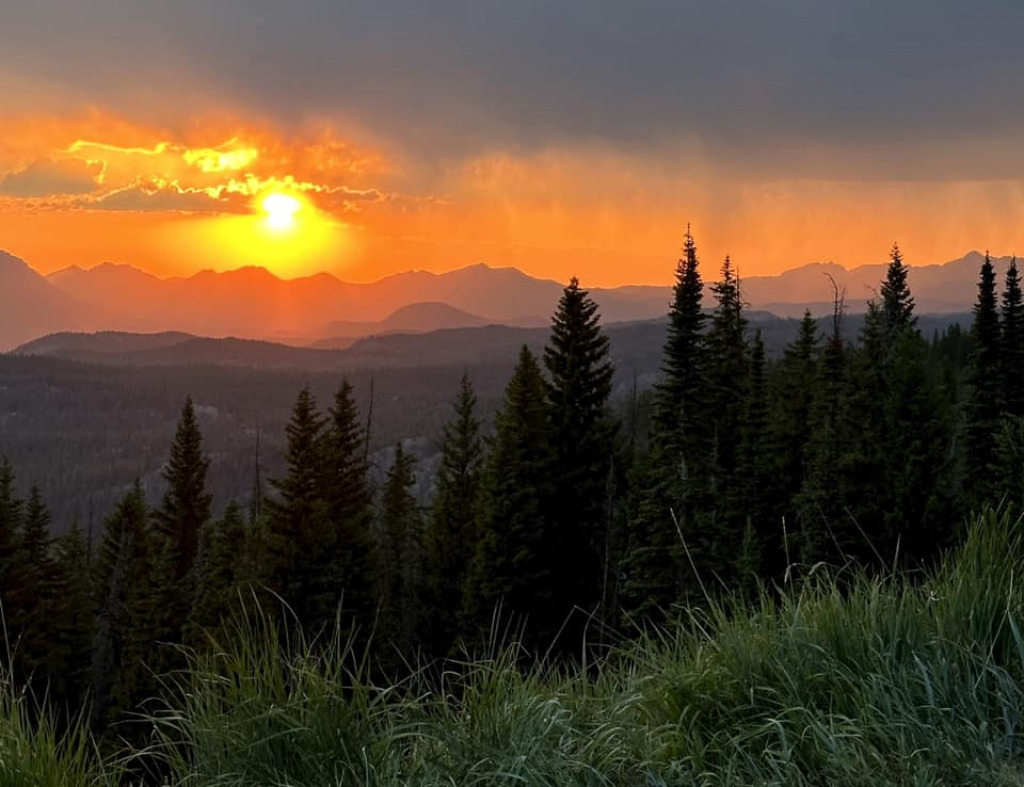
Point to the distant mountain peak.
(106, 271)
(108, 265)
(427, 312)
(69, 269)
(13, 260)
(246, 272)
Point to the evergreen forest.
(687, 586)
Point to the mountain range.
(324, 311)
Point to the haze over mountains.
(324, 311)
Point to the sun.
(280, 210)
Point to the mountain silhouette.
(31, 306)
(414, 318)
(252, 302)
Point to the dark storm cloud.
(756, 80)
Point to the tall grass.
(38, 751)
(848, 681)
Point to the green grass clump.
(877, 683)
(846, 681)
(38, 751)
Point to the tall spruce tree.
(897, 307)
(177, 527)
(761, 537)
(220, 575)
(72, 623)
(345, 551)
(580, 383)
(985, 404)
(902, 446)
(451, 535)
(186, 504)
(35, 599)
(795, 389)
(1011, 351)
(864, 458)
(122, 586)
(669, 474)
(296, 517)
(820, 503)
(677, 405)
(728, 378)
(10, 526)
(401, 529)
(514, 561)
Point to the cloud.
(216, 167)
(227, 160)
(52, 177)
(166, 199)
(791, 86)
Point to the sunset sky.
(561, 138)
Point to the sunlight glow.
(280, 210)
(285, 233)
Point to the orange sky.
(94, 186)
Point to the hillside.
(112, 343)
(636, 345)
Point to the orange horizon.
(99, 188)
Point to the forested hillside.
(113, 399)
(570, 518)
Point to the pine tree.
(451, 534)
(897, 305)
(514, 563)
(10, 526)
(669, 476)
(900, 448)
(178, 523)
(35, 598)
(186, 504)
(345, 553)
(400, 526)
(763, 537)
(864, 459)
(297, 517)
(1011, 351)
(580, 384)
(72, 624)
(985, 403)
(718, 535)
(822, 499)
(796, 387)
(122, 586)
(219, 576)
(677, 413)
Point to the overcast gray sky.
(746, 78)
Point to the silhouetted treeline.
(572, 520)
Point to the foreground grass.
(872, 683)
(34, 753)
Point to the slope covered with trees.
(577, 521)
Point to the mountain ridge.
(253, 302)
